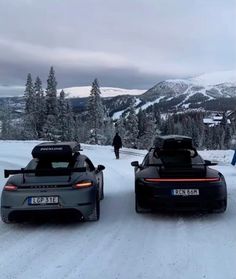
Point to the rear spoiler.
(57, 171)
(208, 163)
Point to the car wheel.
(223, 208)
(138, 208)
(102, 189)
(5, 220)
(95, 215)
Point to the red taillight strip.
(10, 187)
(83, 184)
(182, 179)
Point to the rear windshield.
(178, 156)
(37, 164)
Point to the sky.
(125, 43)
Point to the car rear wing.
(206, 164)
(45, 172)
(189, 170)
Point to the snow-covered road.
(122, 244)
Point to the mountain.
(214, 91)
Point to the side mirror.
(100, 168)
(135, 164)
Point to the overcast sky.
(124, 43)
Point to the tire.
(5, 220)
(95, 215)
(102, 189)
(223, 208)
(138, 208)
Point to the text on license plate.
(185, 192)
(43, 200)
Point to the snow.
(84, 91)
(118, 114)
(122, 244)
(148, 104)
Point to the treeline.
(48, 115)
(139, 129)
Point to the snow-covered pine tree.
(109, 130)
(227, 136)
(6, 122)
(147, 129)
(50, 129)
(81, 128)
(11, 127)
(40, 109)
(70, 122)
(29, 95)
(120, 127)
(142, 122)
(51, 94)
(30, 108)
(65, 118)
(131, 129)
(96, 114)
(62, 111)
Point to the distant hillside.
(106, 92)
(213, 91)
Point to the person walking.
(233, 162)
(117, 143)
(233, 146)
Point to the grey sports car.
(58, 180)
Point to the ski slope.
(123, 244)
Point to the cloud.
(11, 50)
(123, 42)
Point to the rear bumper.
(212, 197)
(14, 205)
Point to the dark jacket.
(117, 143)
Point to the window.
(88, 165)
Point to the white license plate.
(185, 192)
(43, 200)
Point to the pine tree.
(131, 129)
(6, 122)
(96, 113)
(227, 137)
(109, 131)
(142, 122)
(65, 118)
(40, 109)
(51, 94)
(30, 108)
(29, 95)
(81, 128)
(51, 129)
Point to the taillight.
(10, 188)
(213, 179)
(83, 184)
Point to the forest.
(49, 115)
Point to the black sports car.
(59, 180)
(173, 176)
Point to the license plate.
(43, 200)
(185, 192)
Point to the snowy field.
(122, 244)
